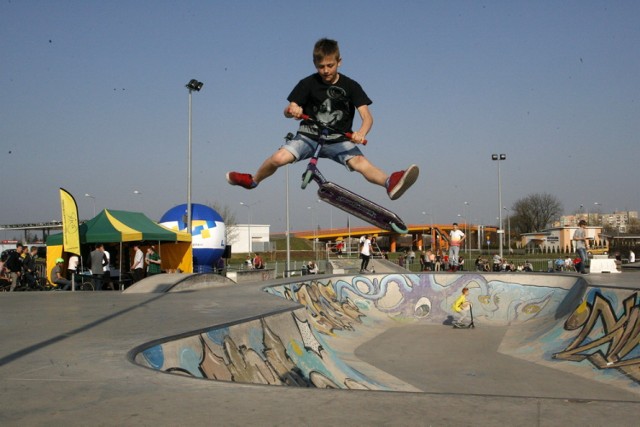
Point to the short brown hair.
(325, 47)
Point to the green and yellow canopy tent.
(123, 227)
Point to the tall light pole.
(138, 193)
(94, 202)
(248, 206)
(508, 225)
(601, 216)
(467, 214)
(193, 85)
(499, 158)
(313, 228)
(431, 230)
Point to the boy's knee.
(282, 157)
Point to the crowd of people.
(18, 270)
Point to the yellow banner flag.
(70, 226)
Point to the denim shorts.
(303, 148)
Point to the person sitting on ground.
(57, 278)
(461, 306)
(258, 263)
(312, 267)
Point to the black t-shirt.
(333, 104)
(14, 262)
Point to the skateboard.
(345, 199)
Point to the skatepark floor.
(64, 361)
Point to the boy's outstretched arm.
(367, 122)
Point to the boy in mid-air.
(331, 98)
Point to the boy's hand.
(357, 137)
(293, 111)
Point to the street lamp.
(248, 206)
(601, 216)
(508, 225)
(499, 158)
(94, 202)
(431, 230)
(138, 193)
(192, 85)
(467, 214)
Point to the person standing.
(97, 266)
(582, 244)
(106, 270)
(30, 266)
(138, 264)
(153, 261)
(14, 266)
(456, 237)
(365, 253)
(72, 266)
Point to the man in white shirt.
(138, 264)
(456, 237)
(365, 253)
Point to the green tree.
(535, 212)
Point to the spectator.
(456, 238)
(153, 262)
(97, 266)
(496, 262)
(30, 266)
(106, 270)
(138, 264)
(312, 267)
(582, 244)
(72, 266)
(14, 266)
(365, 254)
(258, 263)
(57, 278)
(220, 266)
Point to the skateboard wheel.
(398, 229)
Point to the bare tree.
(229, 218)
(535, 212)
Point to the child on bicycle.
(330, 98)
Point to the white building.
(259, 233)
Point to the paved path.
(63, 361)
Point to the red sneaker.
(242, 179)
(399, 182)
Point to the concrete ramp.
(555, 320)
(160, 283)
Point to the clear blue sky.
(93, 99)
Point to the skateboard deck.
(360, 207)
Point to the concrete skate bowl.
(554, 320)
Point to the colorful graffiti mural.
(608, 334)
(551, 319)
